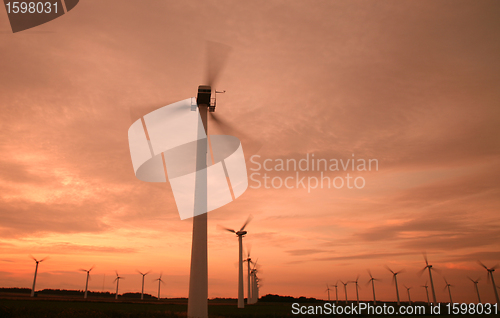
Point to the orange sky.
(413, 84)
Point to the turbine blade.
(390, 270)
(91, 268)
(217, 54)
(250, 144)
(43, 259)
(425, 258)
(250, 217)
(482, 265)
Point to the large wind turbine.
(430, 269)
(427, 293)
(372, 280)
(448, 285)
(87, 280)
(395, 280)
(240, 234)
(409, 297)
(475, 287)
(143, 275)
(160, 281)
(490, 276)
(117, 280)
(357, 293)
(36, 271)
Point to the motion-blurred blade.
(250, 145)
(139, 111)
(425, 258)
(479, 262)
(246, 223)
(217, 54)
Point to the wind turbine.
(336, 293)
(240, 234)
(87, 281)
(395, 280)
(427, 293)
(490, 276)
(36, 271)
(328, 290)
(448, 285)
(430, 269)
(356, 282)
(345, 290)
(117, 280)
(249, 262)
(372, 280)
(143, 275)
(475, 287)
(160, 281)
(254, 282)
(409, 298)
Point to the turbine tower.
(409, 297)
(395, 280)
(117, 280)
(240, 234)
(448, 285)
(490, 276)
(87, 281)
(160, 281)
(430, 269)
(427, 293)
(372, 280)
(475, 287)
(36, 271)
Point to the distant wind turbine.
(356, 283)
(117, 280)
(427, 293)
(240, 234)
(36, 271)
(448, 285)
(143, 275)
(249, 262)
(345, 290)
(336, 293)
(490, 276)
(160, 281)
(87, 280)
(409, 297)
(430, 269)
(328, 290)
(475, 287)
(372, 280)
(395, 280)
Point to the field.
(22, 306)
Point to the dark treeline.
(287, 299)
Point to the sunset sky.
(412, 84)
